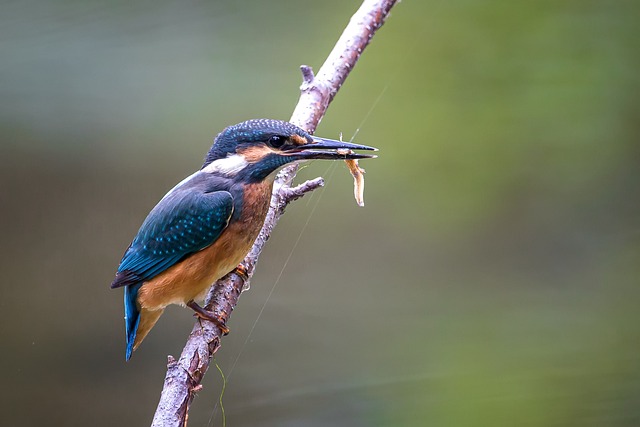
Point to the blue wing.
(183, 223)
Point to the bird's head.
(252, 150)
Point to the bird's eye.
(276, 141)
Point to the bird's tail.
(138, 321)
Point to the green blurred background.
(491, 279)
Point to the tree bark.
(184, 376)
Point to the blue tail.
(131, 315)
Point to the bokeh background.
(491, 279)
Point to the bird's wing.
(182, 223)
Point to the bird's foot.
(208, 315)
(241, 271)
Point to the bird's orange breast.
(190, 278)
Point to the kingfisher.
(204, 226)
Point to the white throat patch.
(229, 166)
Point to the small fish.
(358, 177)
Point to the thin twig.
(184, 376)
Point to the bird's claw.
(241, 271)
(201, 313)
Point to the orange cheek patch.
(298, 140)
(256, 153)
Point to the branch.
(183, 376)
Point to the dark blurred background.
(491, 279)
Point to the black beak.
(335, 150)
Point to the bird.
(204, 226)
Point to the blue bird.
(205, 226)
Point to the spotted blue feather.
(182, 223)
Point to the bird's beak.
(330, 149)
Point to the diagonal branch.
(183, 376)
